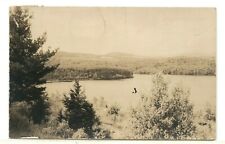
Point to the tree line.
(172, 66)
(69, 74)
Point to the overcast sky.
(140, 31)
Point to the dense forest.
(119, 66)
(69, 74)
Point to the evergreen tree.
(28, 65)
(79, 112)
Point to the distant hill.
(137, 64)
(122, 55)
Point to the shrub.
(55, 129)
(162, 116)
(210, 114)
(101, 133)
(114, 112)
(80, 134)
(19, 123)
(206, 124)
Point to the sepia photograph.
(127, 73)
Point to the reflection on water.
(202, 88)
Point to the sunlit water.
(202, 89)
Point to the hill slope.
(120, 66)
(137, 64)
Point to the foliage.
(40, 110)
(113, 111)
(60, 116)
(205, 124)
(61, 130)
(162, 116)
(80, 134)
(28, 65)
(210, 115)
(96, 74)
(101, 133)
(141, 65)
(79, 113)
(55, 129)
(19, 123)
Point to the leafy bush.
(55, 129)
(113, 111)
(19, 123)
(80, 134)
(210, 115)
(101, 133)
(206, 124)
(61, 130)
(162, 116)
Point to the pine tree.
(28, 65)
(79, 113)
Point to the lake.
(202, 89)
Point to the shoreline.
(52, 81)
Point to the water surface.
(202, 88)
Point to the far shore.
(52, 81)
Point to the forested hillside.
(119, 65)
(70, 74)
